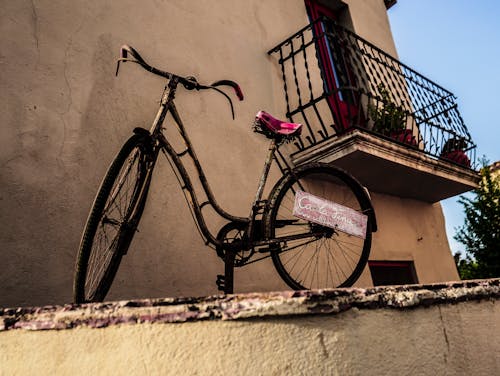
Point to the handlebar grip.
(232, 84)
(126, 49)
(137, 58)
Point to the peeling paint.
(245, 306)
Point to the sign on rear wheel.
(327, 213)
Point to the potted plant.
(389, 119)
(454, 151)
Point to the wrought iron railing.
(335, 81)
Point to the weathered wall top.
(245, 306)
(440, 329)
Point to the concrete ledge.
(426, 178)
(442, 329)
(245, 306)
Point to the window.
(392, 273)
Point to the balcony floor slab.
(387, 167)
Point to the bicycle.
(316, 224)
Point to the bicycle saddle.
(277, 126)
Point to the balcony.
(398, 132)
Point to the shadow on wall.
(56, 158)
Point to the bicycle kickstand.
(225, 281)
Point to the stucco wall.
(369, 19)
(418, 330)
(411, 230)
(65, 116)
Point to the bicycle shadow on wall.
(167, 256)
(112, 110)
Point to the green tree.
(481, 230)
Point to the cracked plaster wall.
(64, 116)
(449, 339)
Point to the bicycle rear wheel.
(322, 257)
(112, 221)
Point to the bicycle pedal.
(221, 282)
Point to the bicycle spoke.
(296, 256)
(123, 178)
(101, 260)
(328, 258)
(108, 233)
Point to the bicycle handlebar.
(233, 84)
(189, 82)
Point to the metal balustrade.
(335, 81)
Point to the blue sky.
(456, 43)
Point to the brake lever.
(235, 87)
(191, 83)
(232, 84)
(227, 97)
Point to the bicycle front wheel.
(309, 255)
(112, 222)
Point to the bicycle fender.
(146, 136)
(141, 132)
(365, 193)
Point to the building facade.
(66, 115)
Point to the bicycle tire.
(117, 209)
(336, 258)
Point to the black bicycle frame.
(161, 143)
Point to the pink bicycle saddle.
(278, 126)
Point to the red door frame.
(341, 110)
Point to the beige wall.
(411, 230)
(450, 338)
(65, 116)
(370, 21)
